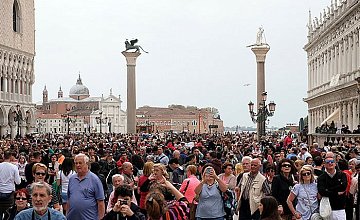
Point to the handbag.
(325, 207)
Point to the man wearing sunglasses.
(332, 183)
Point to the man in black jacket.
(332, 183)
(124, 208)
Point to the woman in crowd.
(21, 197)
(39, 172)
(117, 180)
(282, 185)
(159, 208)
(147, 170)
(269, 209)
(352, 166)
(227, 176)
(62, 179)
(190, 183)
(211, 204)
(306, 194)
(53, 169)
(21, 166)
(269, 174)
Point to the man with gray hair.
(41, 197)
(253, 188)
(85, 192)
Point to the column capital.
(131, 57)
(260, 52)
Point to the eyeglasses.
(329, 161)
(286, 165)
(306, 174)
(21, 198)
(270, 170)
(42, 174)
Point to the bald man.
(253, 187)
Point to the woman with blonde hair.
(190, 183)
(238, 169)
(147, 171)
(306, 193)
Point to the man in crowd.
(177, 172)
(41, 197)
(332, 183)
(161, 157)
(85, 192)
(28, 168)
(124, 208)
(252, 188)
(9, 175)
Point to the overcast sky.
(198, 54)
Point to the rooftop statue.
(260, 38)
(131, 45)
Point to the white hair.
(86, 158)
(117, 175)
(246, 158)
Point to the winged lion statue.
(131, 45)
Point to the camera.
(208, 170)
(123, 202)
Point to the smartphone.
(208, 170)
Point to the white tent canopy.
(335, 116)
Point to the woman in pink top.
(188, 185)
(147, 171)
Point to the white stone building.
(17, 51)
(80, 112)
(333, 54)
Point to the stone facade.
(178, 119)
(333, 54)
(79, 113)
(17, 51)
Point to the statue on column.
(131, 45)
(260, 38)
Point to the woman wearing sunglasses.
(39, 171)
(282, 184)
(306, 193)
(21, 197)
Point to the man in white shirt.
(9, 175)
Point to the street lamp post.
(100, 120)
(67, 119)
(18, 118)
(262, 114)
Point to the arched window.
(16, 16)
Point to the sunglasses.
(286, 165)
(40, 174)
(306, 174)
(329, 161)
(21, 198)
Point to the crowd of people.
(177, 176)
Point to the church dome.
(79, 89)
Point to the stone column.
(260, 53)
(131, 90)
(349, 115)
(355, 112)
